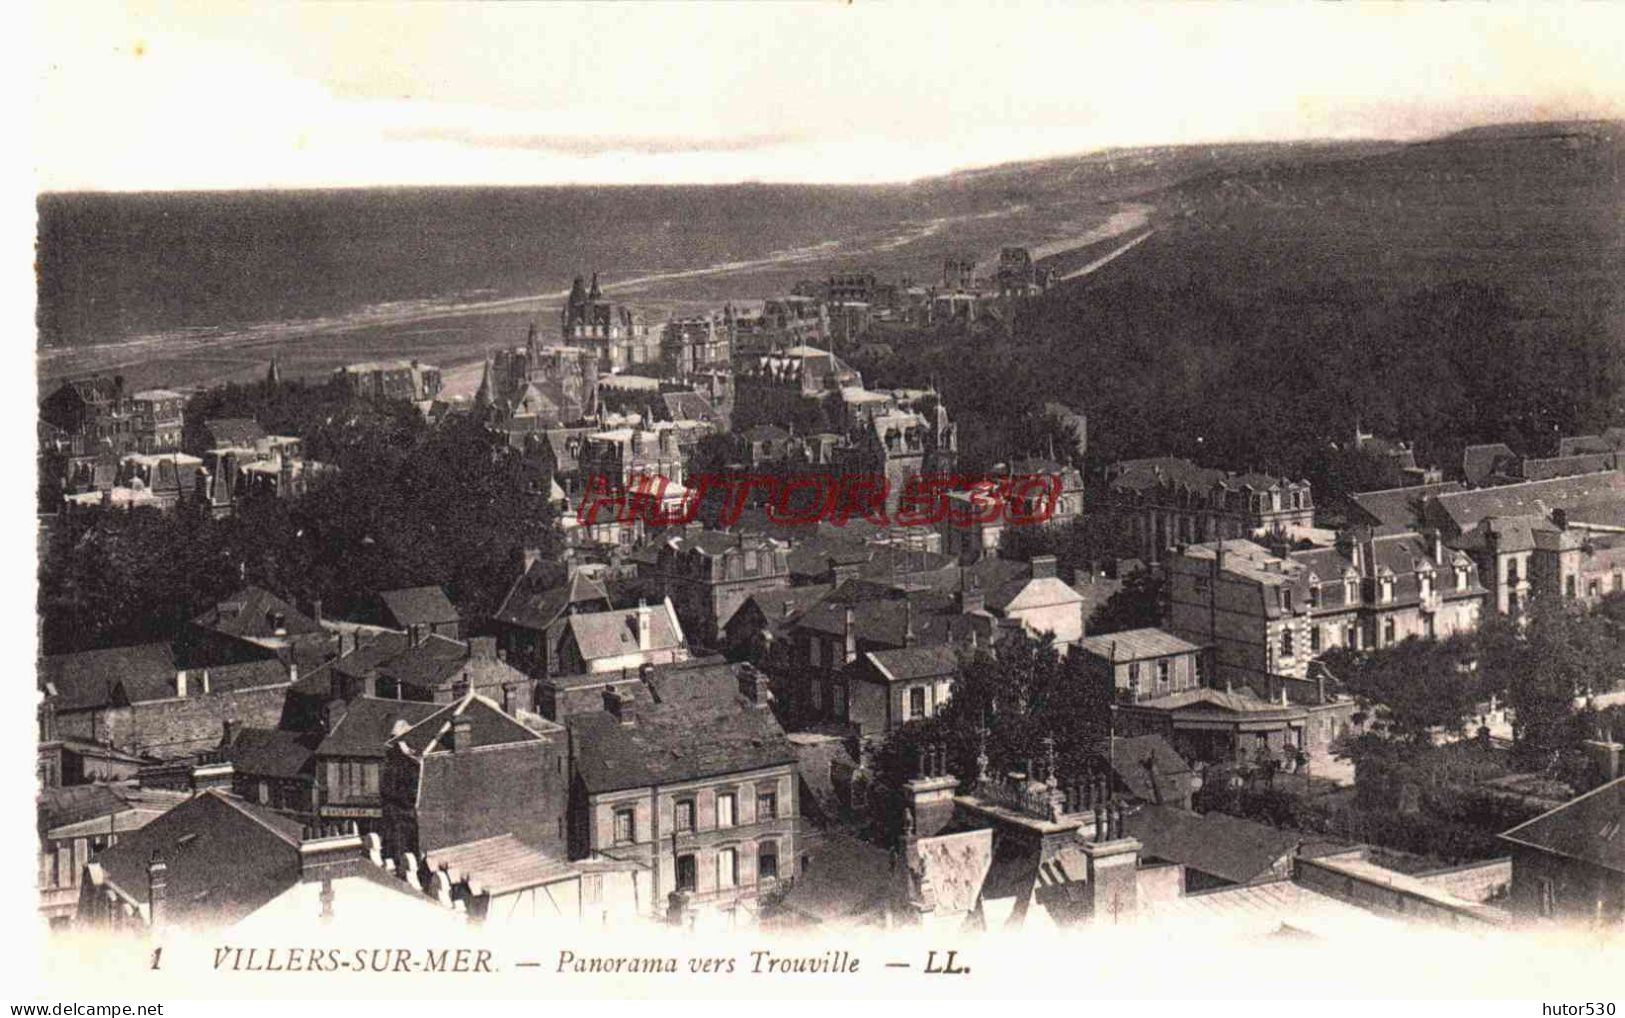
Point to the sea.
(194, 288)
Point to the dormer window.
(1385, 587)
(1314, 595)
(1461, 577)
(1425, 581)
(1351, 590)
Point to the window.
(727, 809)
(813, 657)
(767, 861)
(265, 794)
(684, 815)
(1568, 585)
(1512, 571)
(1387, 587)
(1461, 577)
(767, 806)
(1286, 643)
(1314, 639)
(1351, 636)
(1134, 676)
(1388, 630)
(1162, 674)
(916, 702)
(1591, 589)
(1314, 596)
(625, 827)
(687, 872)
(1425, 581)
(1351, 591)
(727, 868)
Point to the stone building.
(708, 575)
(1165, 503)
(617, 336)
(685, 771)
(407, 380)
(471, 771)
(1266, 615)
(1568, 865)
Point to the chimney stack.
(620, 706)
(644, 623)
(851, 637)
(1043, 567)
(752, 684)
(157, 888)
(462, 733)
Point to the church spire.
(273, 375)
(595, 293)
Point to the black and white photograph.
(821, 499)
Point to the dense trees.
(408, 505)
(1416, 687)
(1274, 380)
(1025, 694)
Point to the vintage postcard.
(805, 500)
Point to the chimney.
(1560, 518)
(228, 728)
(644, 623)
(462, 733)
(620, 705)
(529, 557)
(157, 888)
(316, 610)
(332, 851)
(971, 599)
(851, 637)
(180, 683)
(752, 685)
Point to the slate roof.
(234, 432)
(1136, 645)
(1399, 506)
(905, 663)
(1173, 777)
(438, 661)
(1022, 594)
(271, 752)
(415, 606)
(847, 880)
(368, 724)
(1217, 844)
(363, 662)
(247, 614)
(1478, 462)
(74, 804)
(501, 864)
(1590, 828)
(536, 603)
(1464, 509)
(613, 633)
(224, 858)
(488, 726)
(87, 679)
(695, 729)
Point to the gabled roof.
(369, 723)
(535, 602)
(76, 804)
(88, 679)
(1400, 506)
(1217, 844)
(693, 724)
(438, 662)
(1590, 828)
(489, 725)
(414, 606)
(364, 661)
(224, 858)
(600, 635)
(249, 614)
(1023, 594)
(1464, 509)
(1478, 462)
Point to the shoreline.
(201, 357)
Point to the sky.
(142, 96)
